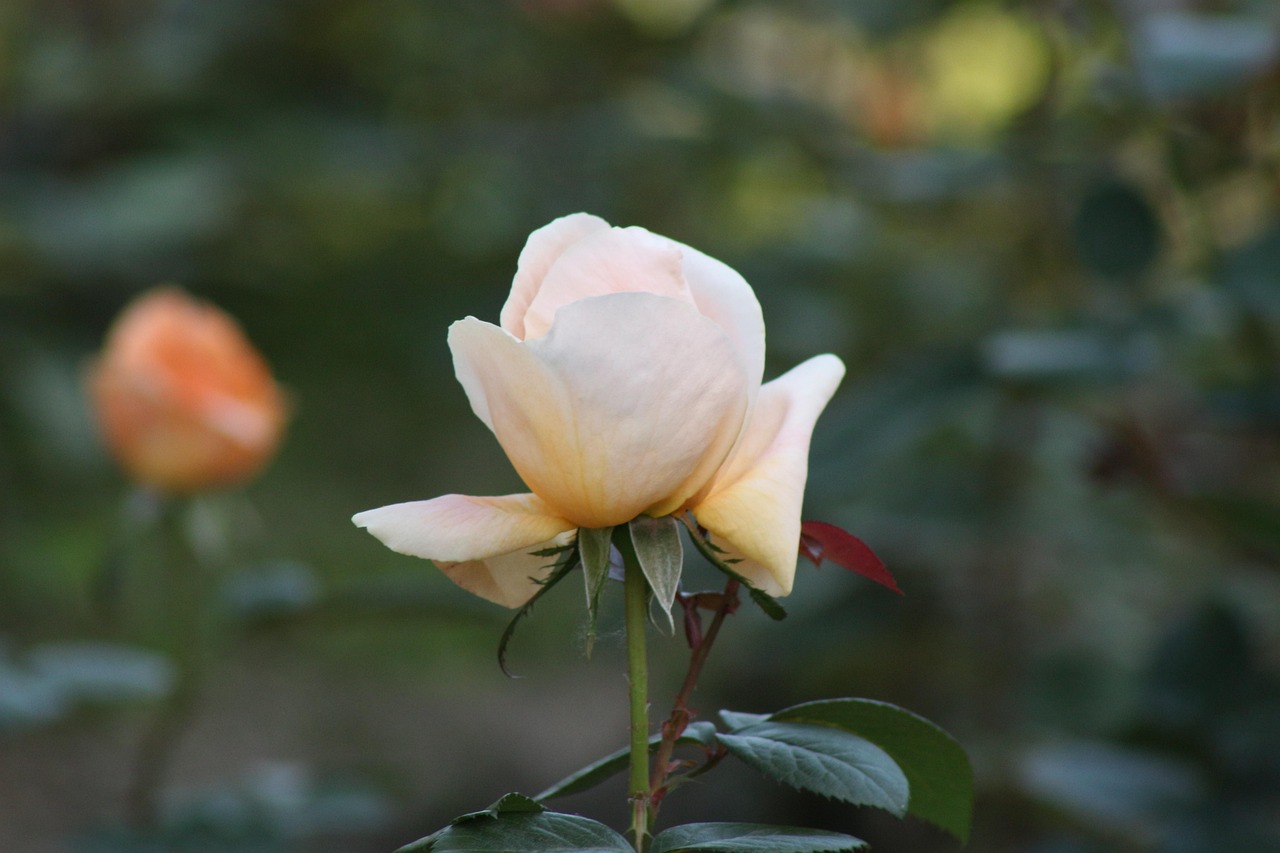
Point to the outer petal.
(508, 579)
(630, 404)
(723, 295)
(754, 504)
(617, 260)
(540, 251)
(755, 573)
(458, 527)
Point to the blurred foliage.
(1044, 236)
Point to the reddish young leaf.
(821, 541)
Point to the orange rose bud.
(183, 399)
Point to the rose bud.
(623, 379)
(183, 399)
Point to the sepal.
(593, 549)
(661, 557)
(712, 552)
(566, 562)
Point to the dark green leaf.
(549, 832)
(738, 720)
(824, 760)
(936, 767)
(661, 556)
(513, 803)
(567, 563)
(752, 838)
(699, 732)
(519, 824)
(593, 548)
(598, 771)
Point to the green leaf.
(568, 562)
(752, 838)
(511, 803)
(661, 556)
(936, 767)
(593, 548)
(699, 733)
(519, 824)
(824, 760)
(739, 720)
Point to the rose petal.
(460, 527)
(756, 574)
(618, 260)
(754, 504)
(723, 295)
(628, 405)
(507, 579)
(540, 251)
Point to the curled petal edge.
(483, 544)
(541, 251)
(753, 508)
(507, 579)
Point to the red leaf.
(821, 541)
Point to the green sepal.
(661, 556)
(566, 563)
(519, 824)
(751, 838)
(824, 760)
(711, 552)
(936, 767)
(554, 550)
(593, 550)
(695, 734)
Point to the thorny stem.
(681, 715)
(636, 597)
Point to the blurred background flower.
(1044, 237)
(184, 401)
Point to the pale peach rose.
(623, 379)
(183, 399)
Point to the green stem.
(186, 636)
(637, 612)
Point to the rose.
(183, 399)
(624, 379)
